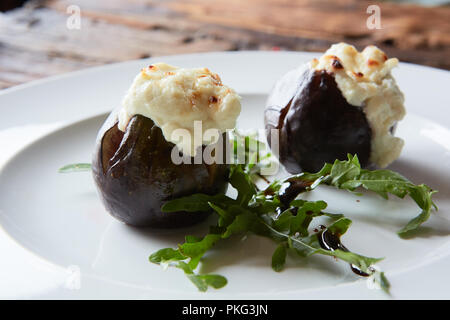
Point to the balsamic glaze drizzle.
(289, 191)
(330, 241)
(327, 240)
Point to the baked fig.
(345, 102)
(135, 175)
(167, 112)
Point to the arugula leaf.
(284, 220)
(298, 221)
(196, 249)
(269, 213)
(225, 216)
(306, 246)
(250, 153)
(243, 184)
(241, 224)
(169, 255)
(279, 257)
(213, 280)
(385, 181)
(202, 282)
(348, 175)
(422, 196)
(383, 281)
(188, 255)
(304, 215)
(195, 203)
(76, 167)
(247, 220)
(166, 255)
(187, 258)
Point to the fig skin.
(316, 123)
(135, 175)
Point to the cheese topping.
(365, 80)
(176, 98)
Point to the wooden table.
(35, 41)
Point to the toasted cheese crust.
(175, 98)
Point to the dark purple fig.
(135, 175)
(316, 123)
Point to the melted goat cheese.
(365, 80)
(175, 98)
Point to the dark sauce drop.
(330, 241)
(358, 271)
(289, 191)
(327, 240)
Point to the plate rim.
(98, 68)
(101, 68)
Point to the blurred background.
(40, 38)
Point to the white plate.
(54, 227)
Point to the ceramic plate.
(57, 241)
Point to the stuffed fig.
(345, 102)
(133, 162)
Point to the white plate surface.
(54, 227)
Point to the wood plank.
(39, 38)
(97, 40)
(34, 40)
(413, 33)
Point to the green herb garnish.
(348, 175)
(269, 213)
(76, 167)
(250, 213)
(263, 212)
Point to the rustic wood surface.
(35, 42)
